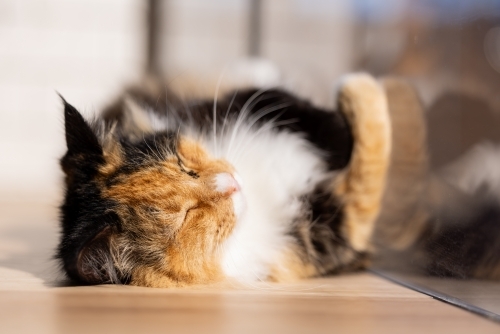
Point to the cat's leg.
(335, 234)
(361, 185)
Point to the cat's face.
(162, 208)
(176, 211)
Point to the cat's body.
(259, 184)
(161, 195)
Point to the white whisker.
(154, 141)
(268, 126)
(189, 113)
(224, 123)
(255, 118)
(242, 116)
(156, 154)
(214, 116)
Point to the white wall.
(84, 49)
(310, 40)
(88, 49)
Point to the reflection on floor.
(479, 296)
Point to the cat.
(259, 184)
(256, 185)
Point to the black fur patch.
(84, 212)
(327, 130)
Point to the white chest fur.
(276, 170)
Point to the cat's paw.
(364, 103)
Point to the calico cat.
(263, 185)
(257, 185)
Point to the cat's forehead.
(150, 144)
(125, 155)
(164, 156)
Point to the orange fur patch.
(177, 215)
(361, 187)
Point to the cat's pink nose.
(226, 183)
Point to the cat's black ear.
(95, 263)
(80, 139)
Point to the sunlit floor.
(32, 300)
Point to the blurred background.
(89, 50)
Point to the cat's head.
(153, 210)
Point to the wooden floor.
(32, 299)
